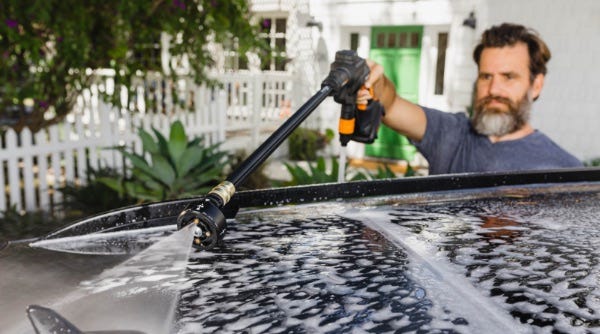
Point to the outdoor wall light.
(470, 21)
(314, 23)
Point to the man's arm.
(401, 115)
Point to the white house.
(442, 34)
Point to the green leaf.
(198, 141)
(208, 161)
(335, 168)
(163, 146)
(148, 181)
(138, 191)
(115, 184)
(299, 175)
(177, 142)
(321, 164)
(190, 159)
(359, 176)
(148, 143)
(162, 170)
(138, 161)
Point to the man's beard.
(495, 122)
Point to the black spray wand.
(348, 73)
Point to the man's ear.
(538, 84)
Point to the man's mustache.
(485, 100)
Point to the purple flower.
(179, 3)
(214, 3)
(43, 104)
(13, 24)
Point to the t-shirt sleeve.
(443, 134)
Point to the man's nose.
(495, 87)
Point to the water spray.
(347, 74)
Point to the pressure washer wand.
(348, 73)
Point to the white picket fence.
(240, 114)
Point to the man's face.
(504, 90)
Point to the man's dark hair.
(508, 34)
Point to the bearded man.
(511, 61)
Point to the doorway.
(398, 50)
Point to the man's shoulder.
(544, 148)
(540, 138)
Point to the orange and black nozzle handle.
(348, 120)
(357, 122)
(348, 73)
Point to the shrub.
(592, 162)
(94, 196)
(255, 180)
(16, 225)
(304, 143)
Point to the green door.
(398, 50)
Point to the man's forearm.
(401, 115)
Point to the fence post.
(107, 137)
(55, 163)
(42, 163)
(221, 114)
(80, 156)
(3, 199)
(69, 166)
(28, 185)
(13, 170)
(257, 96)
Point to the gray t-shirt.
(451, 145)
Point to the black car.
(468, 253)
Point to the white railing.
(239, 114)
(255, 99)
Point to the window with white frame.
(234, 60)
(273, 30)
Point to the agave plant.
(317, 173)
(169, 168)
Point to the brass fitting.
(224, 190)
